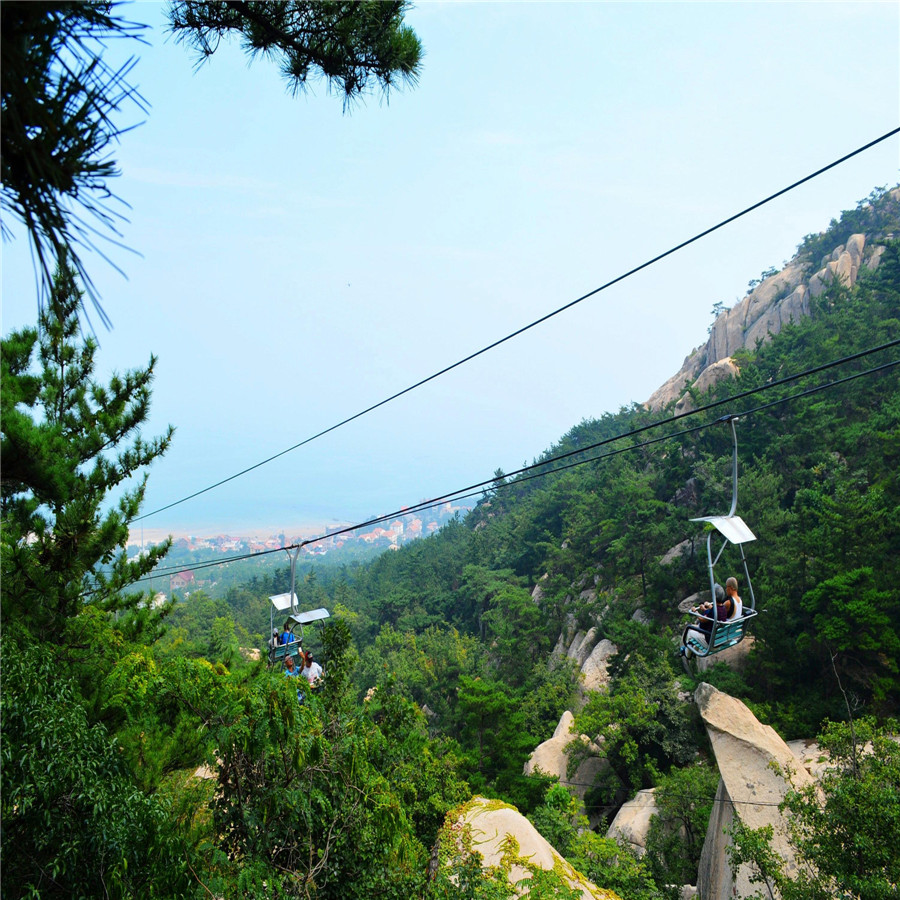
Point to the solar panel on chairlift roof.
(734, 528)
(312, 615)
(281, 602)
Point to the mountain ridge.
(777, 300)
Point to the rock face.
(736, 657)
(676, 553)
(594, 670)
(506, 839)
(709, 377)
(749, 790)
(632, 821)
(552, 759)
(775, 302)
(590, 656)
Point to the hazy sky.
(299, 264)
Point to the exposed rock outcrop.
(735, 657)
(581, 649)
(750, 788)
(708, 378)
(507, 840)
(551, 758)
(774, 303)
(679, 550)
(594, 670)
(632, 822)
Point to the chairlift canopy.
(733, 528)
(307, 618)
(281, 602)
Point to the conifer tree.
(61, 103)
(70, 445)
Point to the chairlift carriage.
(719, 635)
(287, 603)
(281, 603)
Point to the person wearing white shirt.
(312, 671)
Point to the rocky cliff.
(504, 841)
(750, 789)
(778, 300)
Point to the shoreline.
(139, 536)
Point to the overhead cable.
(681, 796)
(528, 473)
(525, 328)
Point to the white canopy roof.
(732, 527)
(312, 615)
(281, 602)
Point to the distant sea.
(155, 535)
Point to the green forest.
(441, 676)
(150, 751)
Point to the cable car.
(294, 623)
(717, 635)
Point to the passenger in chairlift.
(312, 671)
(728, 606)
(731, 588)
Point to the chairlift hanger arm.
(734, 464)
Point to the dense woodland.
(440, 675)
(147, 752)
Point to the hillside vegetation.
(445, 666)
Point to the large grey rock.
(575, 646)
(818, 283)
(729, 331)
(507, 840)
(745, 750)
(671, 389)
(777, 301)
(559, 651)
(632, 821)
(855, 247)
(585, 647)
(875, 257)
(843, 271)
(642, 617)
(594, 671)
(810, 755)
(551, 758)
(694, 600)
(676, 552)
(709, 377)
(735, 657)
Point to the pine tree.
(61, 104)
(69, 445)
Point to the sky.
(296, 263)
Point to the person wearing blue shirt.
(291, 671)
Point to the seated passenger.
(731, 590)
(700, 631)
(726, 609)
(286, 636)
(291, 671)
(312, 671)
